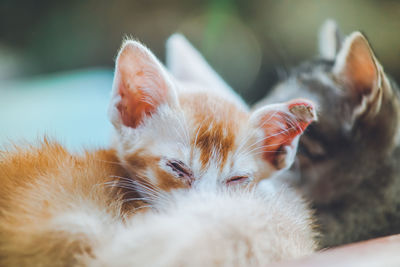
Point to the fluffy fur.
(59, 209)
(180, 130)
(348, 161)
(214, 228)
(53, 203)
(180, 151)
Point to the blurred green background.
(56, 57)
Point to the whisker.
(134, 199)
(266, 146)
(142, 207)
(269, 136)
(144, 188)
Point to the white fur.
(83, 220)
(188, 65)
(341, 60)
(328, 43)
(291, 152)
(212, 228)
(206, 225)
(168, 131)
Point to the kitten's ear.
(140, 86)
(330, 40)
(361, 74)
(282, 125)
(187, 64)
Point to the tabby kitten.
(58, 208)
(348, 161)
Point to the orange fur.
(47, 193)
(188, 133)
(212, 120)
(55, 206)
(40, 184)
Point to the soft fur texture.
(214, 228)
(348, 161)
(53, 204)
(188, 129)
(59, 209)
(180, 150)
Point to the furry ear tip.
(177, 36)
(131, 50)
(357, 38)
(303, 109)
(131, 44)
(329, 39)
(329, 24)
(176, 39)
(357, 44)
(328, 27)
(356, 35)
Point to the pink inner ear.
(361, 69)
(356, 65)
(140, 84)
(133, 106)
(282, 127)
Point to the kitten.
(191, 130)
(348, 161)
(57, 207)
(57, 210)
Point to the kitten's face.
(357, 117)
(183, 134)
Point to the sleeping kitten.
(191, 130)
(57, 210)
(56, 207)
(348, 161)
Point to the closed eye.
(236, 180)
(179, 168)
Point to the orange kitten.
(193, 132)
(58, 208)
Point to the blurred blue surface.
(69, 107)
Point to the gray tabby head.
(359, 112)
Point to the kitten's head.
(358, 112)
(190, 129)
